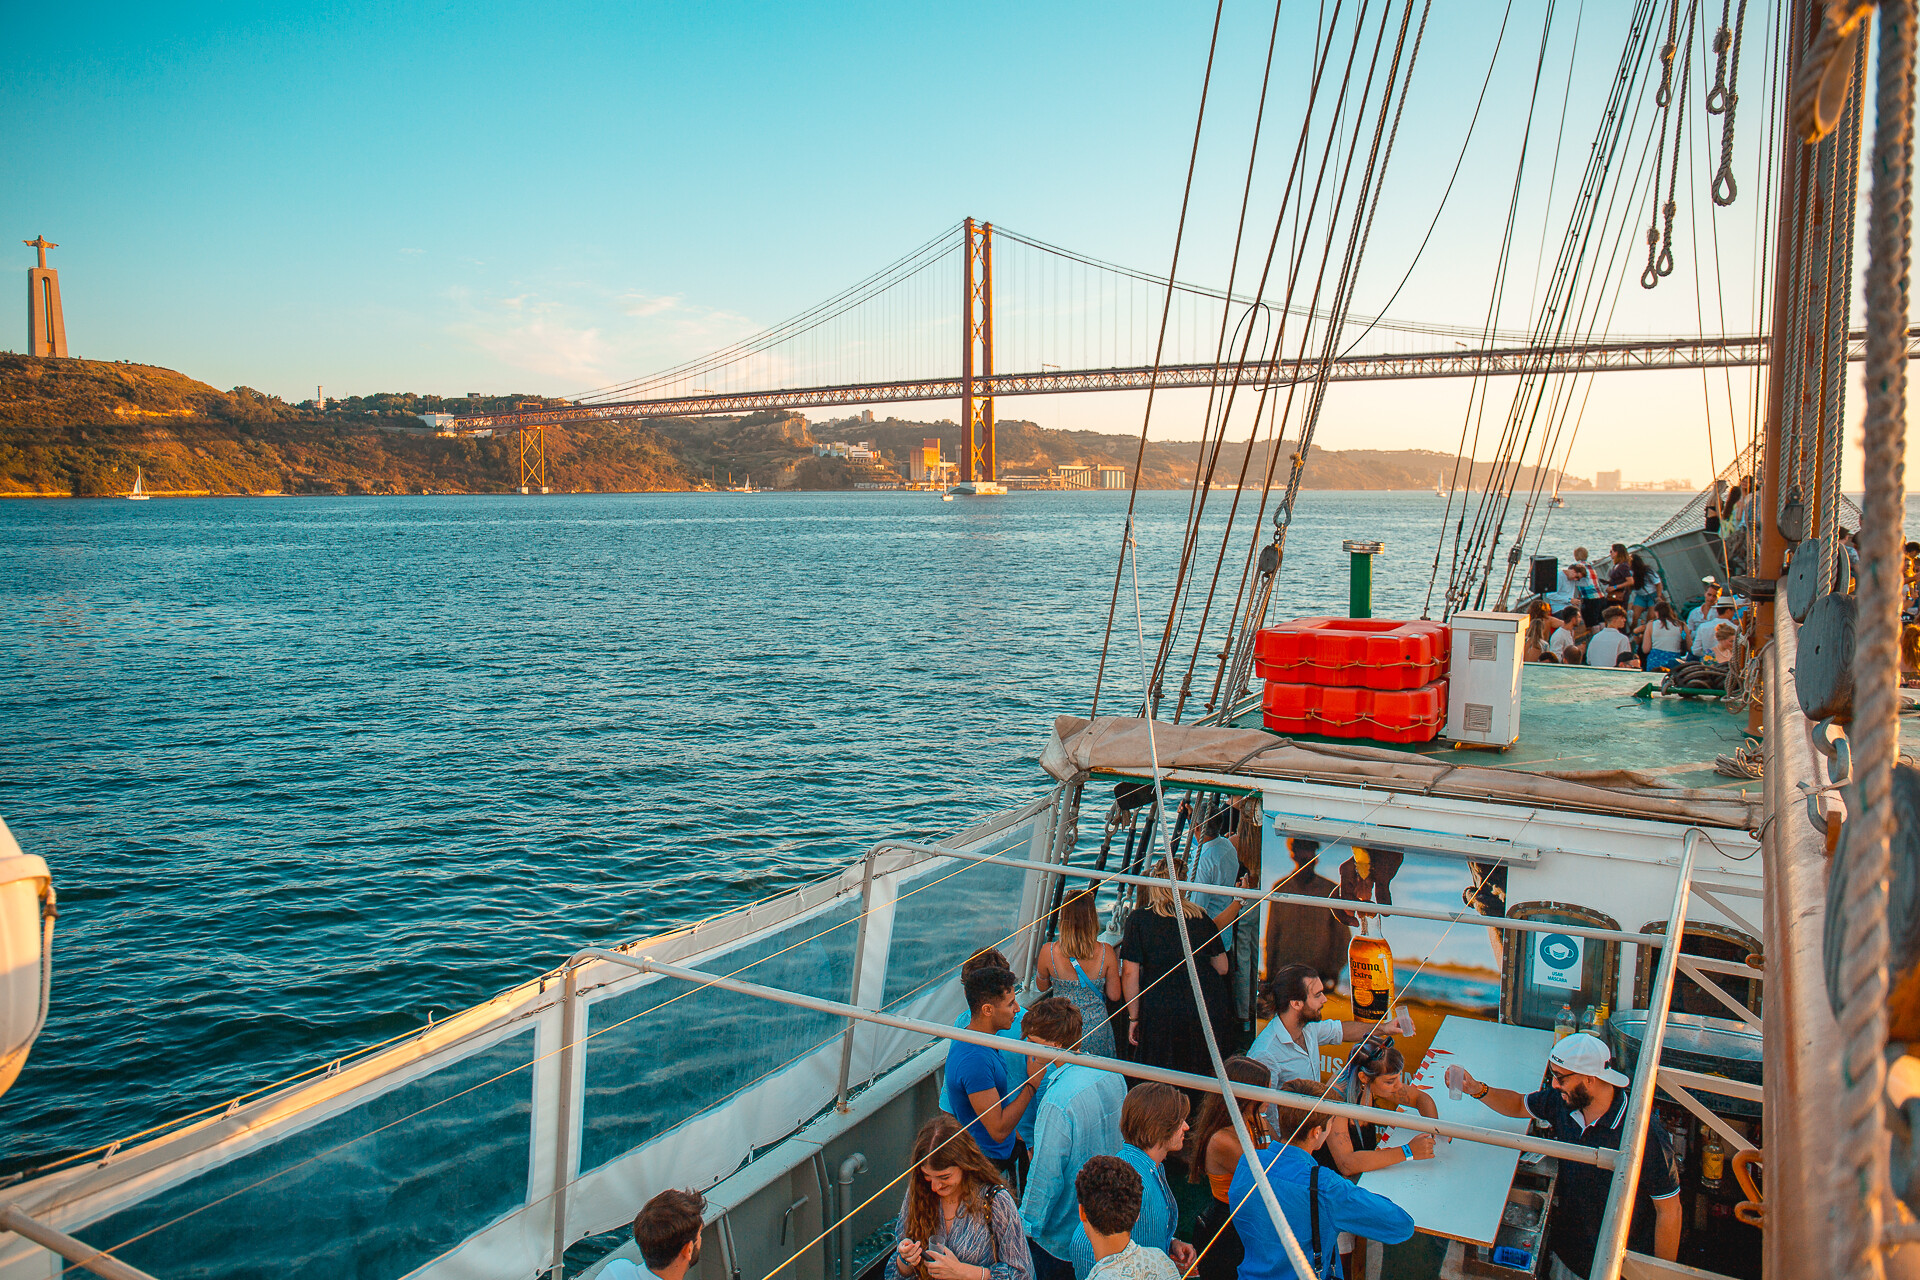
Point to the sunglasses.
(1555, 1076)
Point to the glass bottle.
(1713, 1161)
(1370, 964)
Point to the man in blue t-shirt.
(1586, 1102)
(976, 1089)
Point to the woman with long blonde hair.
(1086, 969)
(957, 1220)
(1163, 1022)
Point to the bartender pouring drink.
(1585, 1101)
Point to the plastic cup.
(1404, 1017)
(1454, 1073)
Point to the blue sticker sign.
(1556, 961)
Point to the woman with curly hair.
(957, 1220)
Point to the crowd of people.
(1090, 1196)
(1041, 1170)
(1630, 620)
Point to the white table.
(1462, 1191)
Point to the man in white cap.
(1585, 1101)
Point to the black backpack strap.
(1313, 1213)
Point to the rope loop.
(1722, 42)
(1651, 276)
(1664, 94)
(1725, 189)
(1826, 70)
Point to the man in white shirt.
(1289, 1045)
(1563, 644)
(1705, 610)
(1706, 635)
(1605, 646)
(667, 1232)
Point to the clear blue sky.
(503, 197)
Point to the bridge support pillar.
(533, 459)
(978, 457)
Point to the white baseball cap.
(1586, 1055)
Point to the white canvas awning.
(1080, 748)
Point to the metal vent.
(1479, 716)
(1482, 647)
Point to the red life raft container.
(1383, 715)
(1365, 653)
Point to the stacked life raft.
(1368, 678)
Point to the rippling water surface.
(309, 770)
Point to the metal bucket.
(1710, 1046)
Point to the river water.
(308, 771)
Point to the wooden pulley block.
(1803, 577)
(1792, 522)
(1823, 676)
(1903, 909)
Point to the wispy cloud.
(591, 337)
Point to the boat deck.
(1575, 717)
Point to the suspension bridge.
(1069, 323)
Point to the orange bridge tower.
(46, 326)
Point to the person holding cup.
(1378, 1079)
(1289, 1045)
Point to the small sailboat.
(1438, 492)
(139, 492)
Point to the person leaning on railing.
(1585, 1101)
(667, 1232)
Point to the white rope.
(1288, 1240)
(1876, 733)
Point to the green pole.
(1360, 577)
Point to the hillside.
(81, 427)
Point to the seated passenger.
(1079, 1118)
(1318, 1205)
(1663, 639)
(977, 1090)
(957, 1220)
(1611, 646)
(1352, 1148)
(667, 1232)
(1108, 1191)
(1564, 644)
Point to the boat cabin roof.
(1574, 717)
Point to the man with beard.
(1289, 1045)
(667, 1231)
(1585, 1101)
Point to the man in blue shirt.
(1078, 1119)
(1219, 865)
(1586, 1102)
(976, 1088)
(1318, 1203)
(667, 1231)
